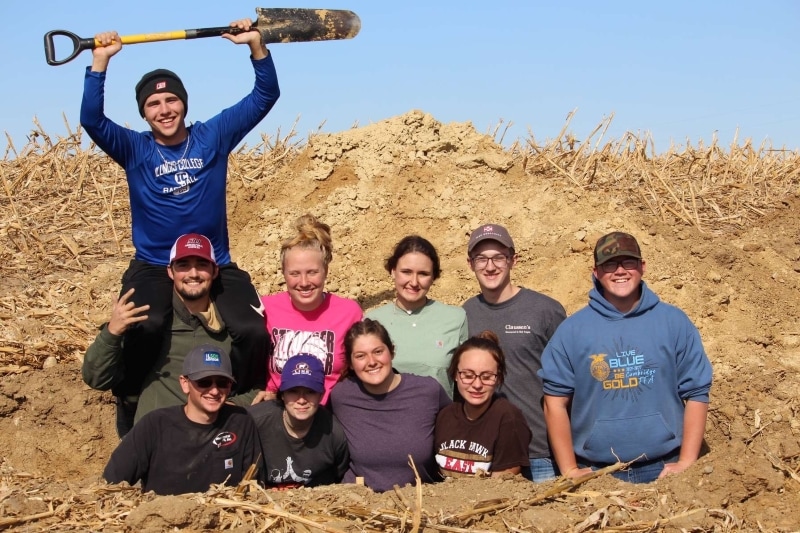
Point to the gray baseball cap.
(494, 232)
(207, 360)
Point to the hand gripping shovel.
(276, 25)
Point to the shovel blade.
(296, 25)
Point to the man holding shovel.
(177, 182)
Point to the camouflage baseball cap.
(616, 244)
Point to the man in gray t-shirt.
(524, 320)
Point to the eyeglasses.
(481, 261)
(207, 383)
(468, 376)
(612, 266)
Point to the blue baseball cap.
(303, 370)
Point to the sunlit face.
(621, 287)
(413, 277)
(495, 275)
(371, 361)
(481, 365)
(301, 403)
(305, 272)
(206, 396)
(164, 112)
(192, 277)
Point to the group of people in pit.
(211, 378)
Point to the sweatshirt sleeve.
(102, 365)
(112, 138)
(235, 122)
(463, 332)
(131, 460)
(245, 398)
(558, 376)
(444, 399)
(694, 370)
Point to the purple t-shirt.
(384, 429)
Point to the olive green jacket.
(103, 367)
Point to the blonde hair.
(311, 235)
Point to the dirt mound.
(65, 242)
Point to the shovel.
(276, 25)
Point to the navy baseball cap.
(303, 370)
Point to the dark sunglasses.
(207, 383)
(611, 266)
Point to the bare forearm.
(100, 64)
(258, 50)
(248, 35)
(109, 43)
(559, 432)
(694, 428)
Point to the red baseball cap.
(192, 245)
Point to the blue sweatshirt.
(628, 375)
(178, 189)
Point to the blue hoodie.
(628, 374)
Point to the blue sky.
(676, 69)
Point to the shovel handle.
(79, 44)
(276, 25)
